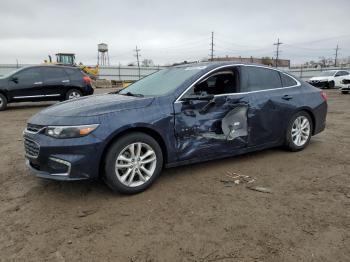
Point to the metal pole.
(277, 51)
(212, 47)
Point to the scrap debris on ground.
(237, 179)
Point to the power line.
(323, 39)
(336, 55)
(138, 59)
(277, 50)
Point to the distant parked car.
(177, 116)
(345, 85)
(329, 79)
(44, 83)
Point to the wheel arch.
(74, 88)
(312, 116)
(142, 129)
(4, 94)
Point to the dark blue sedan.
(177, 116)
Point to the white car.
(329, 79)
(345, 85)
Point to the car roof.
(213, 65)
(52, 65)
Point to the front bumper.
(63, 159)
(319, 83)
(54, 176)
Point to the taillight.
(324, 95)
(87, 80)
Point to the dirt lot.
(189, 214)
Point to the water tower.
(102, 57)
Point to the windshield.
(327, 73)
(161, 82)
(11, 73)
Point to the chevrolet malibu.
(180, 115)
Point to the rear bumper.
(88, 90)
(320, 114)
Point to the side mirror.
(14, 79)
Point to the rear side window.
(287, 80)
(70, 71)
(53, 74)
(260, 78)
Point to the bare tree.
(147, 62)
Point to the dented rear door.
(211, 128)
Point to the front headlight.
(70, 131)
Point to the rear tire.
(3, 102)
(133, 163)
(73, 93)
(299, 131)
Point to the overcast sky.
(172, 31)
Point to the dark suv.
(44, 83)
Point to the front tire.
(73, 94)
(299, 131)
(345, 92)
(3, 102)
(133, 163)
(331, 84)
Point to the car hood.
(3, 80)
(320, 78)
(96, 105)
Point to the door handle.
(38, 83)
(287, 97)
(65, 81)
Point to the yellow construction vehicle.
(69, 59)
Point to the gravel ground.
(191, 213)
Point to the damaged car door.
(273, 98)
(211, 117)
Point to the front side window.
(28, 76)
(260, 78)
(224, 81)
(342, 73)
(161, 82)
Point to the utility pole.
(138, 59)
(277, 51)
(212, 47)
(336, 56)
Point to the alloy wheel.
(300, 131)
(74, 95)
(135, 164)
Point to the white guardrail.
(132, 73)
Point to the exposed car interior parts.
(233, 125)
